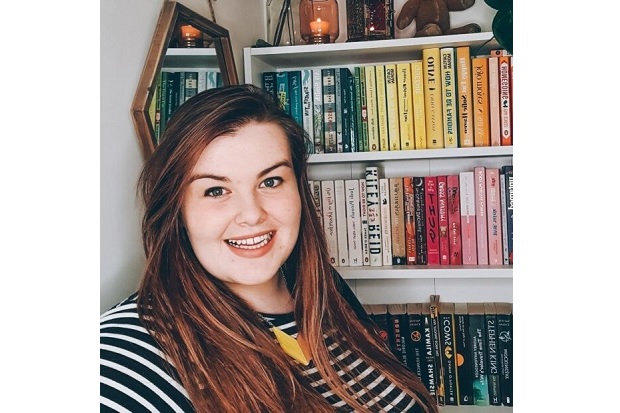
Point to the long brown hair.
(224, 356)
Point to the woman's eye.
(215, 192)
(272, 182)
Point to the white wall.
(126, 28)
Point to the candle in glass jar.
(319, 27)
(190, 32)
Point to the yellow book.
(417, 99)
(371, 108)
(382, 119)
(405, 106)
(391, 97)
(448, 90)
(463, 74)
(480, 90)
(432, 97)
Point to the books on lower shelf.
(437, 220)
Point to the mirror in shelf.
(183, 34)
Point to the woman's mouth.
(251, 243)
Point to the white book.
(504, 206)
(328, 203)
(386, 225)
(374, 216)
(315, 187)
(341, 222)
(354, 223)
(212, 79)
(468, 217)
(202, 81)
(306, 106)
(482, 239)
(317, 110)
(364, 221)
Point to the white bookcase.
(399, 284)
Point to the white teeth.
(251, 243)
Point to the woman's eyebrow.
(264, 172)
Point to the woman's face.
(242, 209)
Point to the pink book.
(442, 200)
(494, 102)
(432, 220)
(454, 219)
(494, 217)
(482, 242)
(468, 218)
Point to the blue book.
(294, 85)
(282, 88)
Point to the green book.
(283, 91)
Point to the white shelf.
(187, 58)
(491, 151)
(425, 272)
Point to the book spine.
(306, 103)
(269, 83)
(448, 89)
(464, 89)
(371, 107)
(352, 113)
(181, 90)
(492, 354)
(397, 200)
(494, 101)
(405, 106)
(482, 239)
(296, 97)
(157, 119)
(162, 104)
(494, 217)
(316, 194)
(432, 98)
(345, 109)
(363, 111)
(419, 198)
(386, 225)
(480, 89)
(172, 90)
(468, 218)
(282, 88)
(317, 111)
(391, 98)
(418, 101)
(504, 336)
(341, 222)
(504, 206)
(378, 314)
(414, 341)
(454, 219)
(338, 109)
(432, 220)
(364, 222)
(374, 216)
(508, 172)
(429, 356)
(329, 110)
(399, 330)
(505, 94)
(434, 313)
(359, 108)
(382, 119)
(353, 221)
(448, 354)
(202, 83)
(442, 216)
(328, 203)
(464, 367)
(191, 85)
(410, 231)
(478, 347)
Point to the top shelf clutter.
(258, 60)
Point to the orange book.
(433, 100)
(494, 101)
(480, 89)
(465, 104)
(505, 94)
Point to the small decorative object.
(191, 36)
(502, 22)
(369, 20)
(432, 17)
(318, 21)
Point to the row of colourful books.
(175, 88)
(447, 99)
(457, 219)
(462, 352)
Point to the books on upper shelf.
(282, 91)
(329, 110)
(381, 104)
(317, 111)
(431, 60)
(296, 97)
(464, 91)
(392, 108)
(371, 108)
(505, 94)
(397, 220)
(507, 170)
(467, 195)
(494, 101)
(306, 108)
(410, 231)
(448, 89)
(432, 220)
(405, 106)
(454, 219)
(480, 90)
(442, 217)
(494, 217)
(419, 200)
(482, 241)
(418, 102)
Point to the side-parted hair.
(224, 356)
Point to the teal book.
(345, 108)
(269, 83)
(306, 105)
(283, 91)
(352, 98)
(477, 334)
(294, 87)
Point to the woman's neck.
(272, 297)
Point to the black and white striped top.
(135, 378)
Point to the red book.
(505, 94)
(482, 242)
(432, 220)
(494, 217)
(454, 219)
(410, 243)
(442, 200)
(468, 217)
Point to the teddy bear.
(432, 17)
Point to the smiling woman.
(239, 309)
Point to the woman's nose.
(250, 209)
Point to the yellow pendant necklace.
(297, 348)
